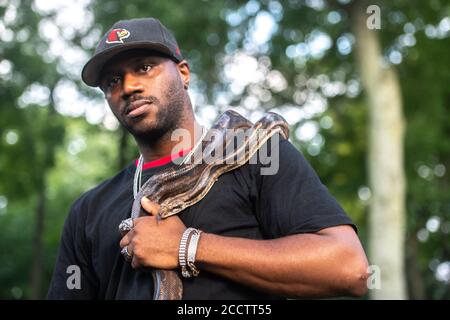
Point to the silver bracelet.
(182, 252)
(192, 250)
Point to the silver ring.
(126, 255)
(126, 225)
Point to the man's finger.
(127, 253)
(151, 207)
(126, 239)
(134, 263)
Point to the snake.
(228, 144)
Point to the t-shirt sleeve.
(73, 276)
(293, 200)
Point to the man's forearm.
(323, 264)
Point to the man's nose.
(131, 84)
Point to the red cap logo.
(117, 35)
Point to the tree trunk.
(416, 286)
(385, 160)
(36, 268)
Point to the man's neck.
(183, 139)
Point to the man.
(263, 236)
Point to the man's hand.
(154, 242)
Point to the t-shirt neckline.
(164, 160)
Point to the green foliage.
(41, 149)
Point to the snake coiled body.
(179, 187)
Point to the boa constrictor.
(179, 187)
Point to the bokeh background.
(370, 109)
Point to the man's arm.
(328, 263)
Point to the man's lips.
(136, 108)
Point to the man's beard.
(168, 117)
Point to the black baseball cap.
(143, 33)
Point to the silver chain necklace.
(137, 181)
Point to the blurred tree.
(29, 123)
(385, 156)
(427, 148)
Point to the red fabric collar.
(163, 160)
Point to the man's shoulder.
(279, 153)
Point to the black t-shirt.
(242, 203)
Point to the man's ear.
(183, 68)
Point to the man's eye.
(113, 81)
(146, 67)
(109, 83)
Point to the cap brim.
(91, 70)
